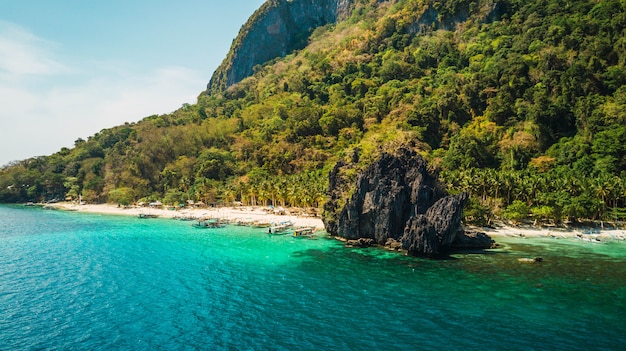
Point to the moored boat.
(305, 232)
(186, 218)
(280, 228)
(147, 215)
(208, 223)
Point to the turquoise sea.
(71, 281)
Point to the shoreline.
(582, 233)
(263, 215)
(232, 214)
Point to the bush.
(517, 211)
(543, 213)
(475, 213)
(122, 196)
(175, 197)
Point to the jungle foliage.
(520, 103)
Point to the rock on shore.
(398, 200)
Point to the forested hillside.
(520, 103)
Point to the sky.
(70, 68)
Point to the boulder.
(393, 245)
(420, 237)
(473, 240)
(361, 242)
(446, 215)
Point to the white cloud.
(44, 105)
(22, 53)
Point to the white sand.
(259, 214)
(244, 213)
(553, 232)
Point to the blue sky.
(69, 68)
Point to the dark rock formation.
(420, 237)
(397, 200)
(445, 216)
(388, 193)
(393, 244)
(361, 242)
(473, 240)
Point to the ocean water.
(71, 281)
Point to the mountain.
(280, 27)
(276, 29)
(521, 104)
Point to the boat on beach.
(186, 218)
(147, 215)
(248, 222)
(261, 224)
(208, 223)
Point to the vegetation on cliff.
(276, 29)
(521, 104)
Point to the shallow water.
(77, 281)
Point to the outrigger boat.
(304, 232)
(281, 228)
(209, 223)
(186, 218)
(147, 215)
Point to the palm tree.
(508, 185)
(230, 193)
(184, 186)
(480, 179)
(602, 190)
(263, 195)
(493, 183)
(531, 186)
(292, 194)
(280, 187)
(465, 182)
(252, 191)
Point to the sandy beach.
(586, 234)
(232, 214)
(265, 215)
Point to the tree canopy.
(520, 103)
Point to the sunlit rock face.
(276, 29)
(280, 27)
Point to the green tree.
(516, 211)
(122, 196)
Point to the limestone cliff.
(276, 29)
(280, 27)
(396, 200)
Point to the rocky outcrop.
(473, 240)
(397, 201)
(276, 29)
(420, 237)
(426, 235)
(361, 242)
(279, 27)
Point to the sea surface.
(73, 281)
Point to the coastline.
(231, 214)
(261, 214)
(585, 234)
